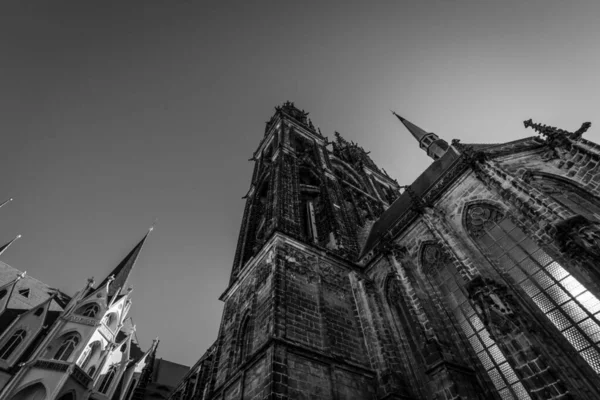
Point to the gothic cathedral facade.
(479, 280)
(57, 347)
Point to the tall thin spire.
(7, 245)
(119, 276)
(417, 132)
(6, 202)
(428, 141)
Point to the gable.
(38, 291)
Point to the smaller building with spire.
(54, 346)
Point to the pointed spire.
(428, 141)
(118, 277)
(417, 132)
(6, 202)
(7, 245)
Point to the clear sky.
(114, 113)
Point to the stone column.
(392, 384)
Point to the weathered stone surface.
(480, 281)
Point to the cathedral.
(479, 280)
(57, 347)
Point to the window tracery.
(68, 345)
(566, 303)
(89, 310)
(108, 378)
(443, 275)
(568, 195)
(11, 345)
(245, 338)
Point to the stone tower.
(298, 319)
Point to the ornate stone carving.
(481, 217)
(557, 140)
(579, 233)
(495, 305)
(433, 258)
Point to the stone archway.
(37, 391)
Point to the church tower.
(299, 319)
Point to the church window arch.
(246, 337)
(89, 310)
(571, 308)
(68, 345)
(111, 320)
(12, 343)
(567, 194)
(37, 391)
(90, 354)
(131, 389)
(443, 275)
(92, 371)
(107, 380)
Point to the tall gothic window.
(444, 275)
(108, 378)
(11, 345)
(569, 196)
(566, 303)
(89, 353)
(311, 206)
(246, 336)
(68, 345)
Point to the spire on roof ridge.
(6, 202)
(119, 276)
(428, 141)
(7, 245)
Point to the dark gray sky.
(117, 112)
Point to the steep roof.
(123, 269)
(404, 201)
(38, 291)
(430, 176)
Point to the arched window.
(90, 352)
(568, 305)
(108, 378)
(67, 347)
(568, 195)
(245, 338)
(111, 320)
(443, 275)
(131, 389)
(36, 391)
(89, 310)
(91, 371)
(10, 346)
